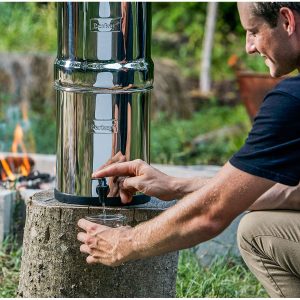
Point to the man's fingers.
(113, 187)
(91, 227)
(133, 184)
(89, 240)
(119, 169)
(129, 168)
(122, 159)
(91, 260)
(85, 249)
(82, 237)
(125, 197)
(85, 224)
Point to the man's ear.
(288, 18)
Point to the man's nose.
(250, 45)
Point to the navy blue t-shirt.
(272, 149)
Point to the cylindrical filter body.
(103, 79)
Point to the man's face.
(272, 44)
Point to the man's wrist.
(183, 186)
(177, 186)
(137, 247)
(126, 244)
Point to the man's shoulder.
(290, 85)
(282, 104)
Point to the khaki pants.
(269, 242)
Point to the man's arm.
(280, 196)
(198, 217)
(181, 187)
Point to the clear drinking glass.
(111, 220)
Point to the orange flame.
(7, 170)
(25, 167)
(18, 142)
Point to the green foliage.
(226, 277)
(170, 140)
(178, 31)
(43, 127)
(28, 27)
(10, 261)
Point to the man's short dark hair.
(270, 10)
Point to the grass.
(226, 277)
(10, 260)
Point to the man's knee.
(248, 229)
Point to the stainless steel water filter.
(103, 81)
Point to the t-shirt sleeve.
(272, 149)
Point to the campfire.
(17, 169)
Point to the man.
(255, 178)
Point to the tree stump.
(52, 265)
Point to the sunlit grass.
(226, 277)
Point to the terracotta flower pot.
(253, 87)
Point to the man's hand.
(136, 176)
(106, 245)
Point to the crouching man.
(257, 178)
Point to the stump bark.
(52, 265)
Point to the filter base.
(94, 201)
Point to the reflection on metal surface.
(92, 128)
(103, 78)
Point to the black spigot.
(102, 190)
